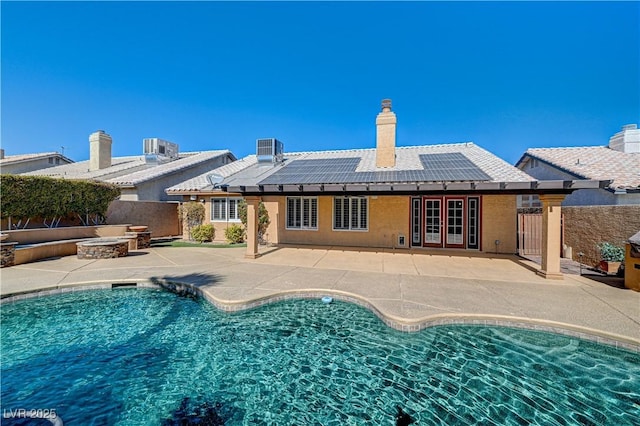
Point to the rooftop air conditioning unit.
(160, 148)
(269, 150)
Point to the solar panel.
(452, 166)
(437, 168)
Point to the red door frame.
(424, 222)
(445, 220)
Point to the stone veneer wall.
(106, 250)
(8, 254)
(587, 226)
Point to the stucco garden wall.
(160, 217)
(587, 226)
(40, 235)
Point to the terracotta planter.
(138, 228)
(609, 267)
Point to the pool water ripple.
(133, 357)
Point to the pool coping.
(392, 321)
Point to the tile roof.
(127, 171)
(201, 183)
(167, 168)
(80, 170)
(9, 159)
(594, 162)
(247, 172)
(408, 158)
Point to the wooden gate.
(529, 234)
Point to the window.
(225, 209)
(351, 213)
(529, 201)
(50, 160)
(302, 213)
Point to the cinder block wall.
(160, 217)
(587, 226)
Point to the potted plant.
(611, 256)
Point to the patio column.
(551, 232)
(252, 227)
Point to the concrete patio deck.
(407, 289)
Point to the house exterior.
(23, 163)
(141, 177)
(618, 162)
(452, 196)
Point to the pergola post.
(551, 236)
(252, 227)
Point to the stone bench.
(103, 248)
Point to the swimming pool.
(144, 357)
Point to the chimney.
(99, 150)
(628, 140)
(386, 136)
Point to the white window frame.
(226, 203)
(304, 215)
(356, 207)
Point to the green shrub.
(610, 252)
(263, 218)
(202, 233)
(234, 234)
(192, 213)
(29, 197)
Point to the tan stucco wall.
(388, 217)
(499, 222)
(631, 270)
(40, 235)
(219, 226)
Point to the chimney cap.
(386, 104)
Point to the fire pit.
(103, 248)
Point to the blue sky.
(214, 75)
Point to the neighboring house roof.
(138, 177)
(592, 162)
(201, 183)
(19, 158)
(459, 162)
(129, 171)
(80, 170)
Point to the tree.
(263, 219)
(192, 213)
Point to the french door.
(451, 222)
(454, 222)
(433, 222)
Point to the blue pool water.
(133, 357)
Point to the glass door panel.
(432, 221)
(455, 222)
(473, 223)
(416, 222)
